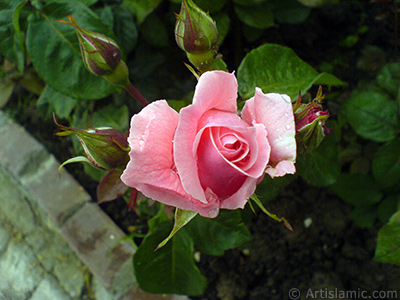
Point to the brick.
(95, 238)
(37, 170)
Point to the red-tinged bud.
(310, 123)
(196, 34)
(101, 55)
(105, 148)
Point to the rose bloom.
(207, 157)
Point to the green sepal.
(271, 215)
(182, 217)
(74, 160)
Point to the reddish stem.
(136, 94)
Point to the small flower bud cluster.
(101, 54)
(105, 148)
(196, 34)
(310, 123)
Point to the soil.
(326, 250)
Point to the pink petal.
(239, 199)
(282, 168)
(151, 168)
(222, 169)
(232, 145)
(215, 90)
(255, 136)
(214, 171)
(276, 113)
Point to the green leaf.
(388, 246)
(95, 173)
(85, 2)
(251, 34)
(357, 189)
(158, 219)
(112, 116)
(6, 89)
(108, 116)
(316, 3)
(177, 104)
(171, 269)
(211, 6)
(214, 236)
(320, 167)
(53, 101)
(148, 208)
(223, 23)
(125, 29)
(372, 114)
(248, 2)
(259, 16)
(141, 9)
(147, 60)
(182, 217)
(106, 15)
(275, 68)
(364, 216)
(19, 39)
(389, 78)
(269, 187)
(154, 31)
(10, 39)
(290, 11)
(387, 207)
(54, 50)
(386, 164)
(329, 80)
(10, 4)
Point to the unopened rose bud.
(196, 34)
(310, 123)
(101, 55)
(106, 148)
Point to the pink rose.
(207, 157)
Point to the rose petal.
(255, 136)
(151, 168)
(215, 90)
(232, 145)
(239, 199)
(214, 171)
(282, 168)
(276, 113)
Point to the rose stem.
(136, 94)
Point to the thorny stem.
(136, 94)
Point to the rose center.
(230, 143)
(218, 151)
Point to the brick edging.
(88, 230)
